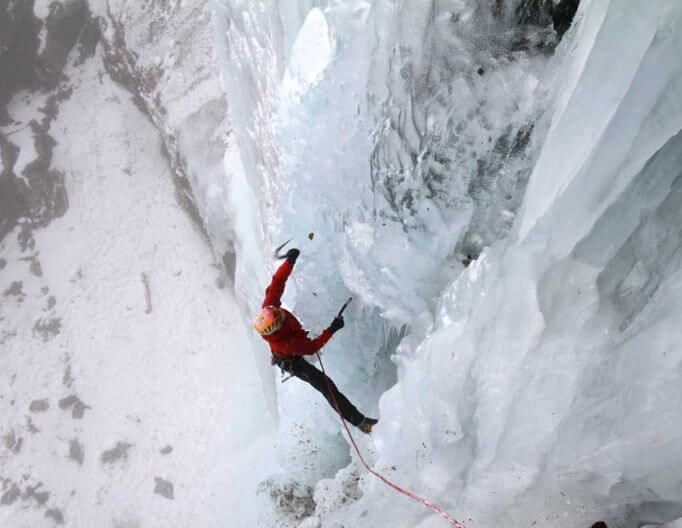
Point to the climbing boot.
(366, 425)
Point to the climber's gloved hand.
(337, 324)
(292, 255)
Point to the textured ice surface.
(540, 385)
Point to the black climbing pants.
(299, 367)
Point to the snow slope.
(128, 393)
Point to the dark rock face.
(563, 14)
(37, 195)
(115, 454)
(77, 406)
(10, 496)
(15, 289)
(31, 492)
(31, 69)
(164, 488)
(37, 204)
(64, 25)
(13, 443)
(13, 203)
(559, 15)
(19, 38)
(47, 329)
(39, 406)
(76, 451)
(56, 515)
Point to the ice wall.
(541, 383)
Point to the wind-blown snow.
(540, 385)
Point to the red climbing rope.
(426, 503)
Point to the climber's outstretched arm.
(273, 293)
(321, 340)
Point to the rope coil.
(426, 503)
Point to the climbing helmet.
(269, 320)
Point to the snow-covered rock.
(127, 386)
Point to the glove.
(292, 255)
(337, 324)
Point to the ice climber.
(289, 343)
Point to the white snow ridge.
(496, 183)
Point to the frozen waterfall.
(540, 385)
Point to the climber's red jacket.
(291, 339)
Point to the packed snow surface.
(128, 394)
(538, 386)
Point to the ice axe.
(279, 248)
(344, 307)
